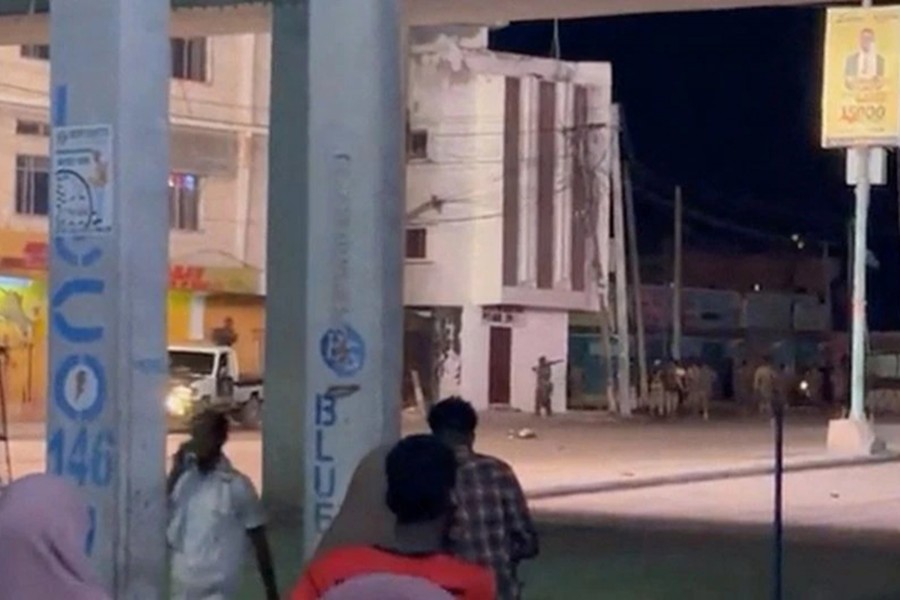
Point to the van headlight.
(179, 400)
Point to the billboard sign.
(861, 90)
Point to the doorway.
(500, 366)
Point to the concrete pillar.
(108, 278)
(335, 314)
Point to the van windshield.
(191, 362)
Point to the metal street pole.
(778, 519)
(623, 368)
(858, 311)
(677, 283)
(109, 232)
(634, 259)
(860, 252)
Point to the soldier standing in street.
(693, 385)
(657, 391)
(543, 392)
(708, 389)
(674, 385)
(764, 386)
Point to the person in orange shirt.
(421, 475)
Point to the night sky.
(727, 104)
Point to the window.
(184, 202)
(35, 128)
(189, 59)
(417, 144)
(416, 243)
(35, 51)
(32, 185)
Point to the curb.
(702, 476)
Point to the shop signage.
(25, 254)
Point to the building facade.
(217, 199)
(503, 208)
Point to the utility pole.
(109, 232)
(677, 280)
(623, 370)
(589, 147)
(858, 303)
(826, 276)
(631, 223)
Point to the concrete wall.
(535, 333)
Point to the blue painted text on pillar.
(325, 473)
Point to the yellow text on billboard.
(861, 95)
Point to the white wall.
(536, 333)
(542, 333)
(464, 120)
(457, 93)
(474, 342)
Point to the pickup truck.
(206, 376)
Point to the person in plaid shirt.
(492, 525)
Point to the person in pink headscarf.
(44, 524)
(387, 587)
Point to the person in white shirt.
(215, 514)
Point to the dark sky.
(727, 105)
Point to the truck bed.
(249, 380)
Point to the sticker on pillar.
(79, 388)
(343, 351)
(82, 188)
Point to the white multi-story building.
(502, 213)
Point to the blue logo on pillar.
(77, 334)
(79, 387)
(343, 351)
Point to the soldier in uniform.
(707, 389)
(673, 383)
(543, 393)
(743, 385)
(657, 391)
(765, 382)
(693, 385)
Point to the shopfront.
(199, 300)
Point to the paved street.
(710, 541)
(857, 499)
(577, 448)
(698, 540)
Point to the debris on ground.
(522, 434)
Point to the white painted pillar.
(197, 317)
(335, 310)
(565, 121)
(108, 278)
(528, 177)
